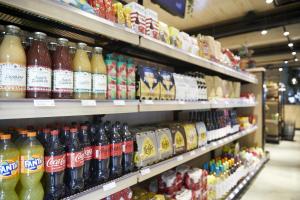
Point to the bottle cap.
(73, 130)
(23, 132)
(81, 45)
(5, 136)
(84, 127)
(31, 134)
(62, 41)
(54, 132)
(98, 49)
(66, 128)
(40, 35)
(12, 29)
(46, 130)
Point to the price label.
(192, 153)
(214, 144)
(109, 186)
(231, 196)
(148, 102)
(179, 158)
(145, 171)
(119, 102)
(181, 102)
(88, 102)
(203, 148)
(44, 103)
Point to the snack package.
(180, 86)
(203, 46)
(211, 47)
(121, 77)
(191, 136)
(201, 131)
(211, 92)
(178, 137)
(194, 49)
(167, 183)
(180, 178)
(137, 17)
(164, 34)
(81, 4)
(130, 72)
(237, 89)
(152, 23)
(98, 6)
(218, 84)
(109, 12)
(125, 194)
(174, 37)
(148, 86)
(164, 143)
(193, 181)
(167, 89)
(184, 194)
(127, 16)
(186, 41)
(119, 13)
(111, 65)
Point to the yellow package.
(164, 33)
(118, 10)
(148, 83)
(127, 16)
(174, 39)
(191, 136)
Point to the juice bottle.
(99, 75)
(9, 162)
(21, 138)
(32, 168)
(82, 73)
(12, 65)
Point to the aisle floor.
(280, 178)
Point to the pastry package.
(164, 143)
(167, 85)
(152, 23)
(164, 34)
(138, 22)
(191, 136)
(148, 85)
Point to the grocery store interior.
(149, 99)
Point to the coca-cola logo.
(55, 163)
(79, 157)
(88, 153)
(75, 159)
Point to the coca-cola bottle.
(64, 136)
(44, 136)
(127, 160)
(55, 164)
(101, 157)
(115, 153)
(107, 127)
(75, 160)
(85, 140)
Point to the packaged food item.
(148, 83)
(218, 87)
(115, 153)
(178, 138)
(194, 49)
(82, 73)
(119, 13)
(130, 72)
(109, 12)
(32, 168)
(152, 23)
(12, 62)
(9, 163)
(193, 181)
(180, 86)
(184, 194)
(236, 89)
(167, 89)
(211, 92)
(98, 6)
(211, 47)
(81, 4)
(99, 75)
(201, 131)
(164, 142)
(137, 17)
(62, 71)
(164, 34)
(127, 15)
(191, 136)
(125, 194)
(167, 183)
(203, 46)
(186, 41)
(111, 65)
(145, 147)
(121, 77)
(181, 171)
(39, 68)
(174, 37)
(225, 88)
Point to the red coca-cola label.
(128, 147)
(88, 153)
(116, 149)
(55, 163)
(101, 152)
(75, 159)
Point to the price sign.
(145, 171)
(109, 186)
(44, 103)
(179, 158)
(88, 102)
(119, 102)
(148, 102)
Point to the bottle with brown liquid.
(99, 75)
(82, 73)
(62, 71)
(39, 68)
(12, 65)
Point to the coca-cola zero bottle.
(115, 153)
(127, 161)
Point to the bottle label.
(88, 153)
(128, 147)
(38, 78)
(99, 83)
(63, 81)
(148, 150)
(82, 82)
(9, 168)
(165, 144)
(32, 164)
(179, 140)
(116, 149)
(12, 77)
(55, 163)
(101, 152)
(75, 159)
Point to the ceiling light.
(264, 32)
(280, 69)
(286, 33)
(290, 44)
(269, 1)
(294, 81)
(296, 59)
(286, 62)
(294, 53)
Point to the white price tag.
(181, 102)
(88, 102)
(231, 196)
(203, 148)
(119, 102)
(44, 103)
(109, 186)
(148, 102)
(145, 171)
(214, 144)
(179, 158)
(192, 153)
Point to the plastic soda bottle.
(115, 153)
(32, 168)
(9, 163)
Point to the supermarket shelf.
(75, 17)
(148, 172)
(109, 188)
(271, 121)
(272, 102)
(232, 103)
(246, 180)
(173, 52)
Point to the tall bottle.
(115, 153)
(75, 160)
(32, 168)
(62, 71)
(99, 75)
(21, 138)
(12, 65)
(9, 163)
(82, 73)
(39, 69)
(55, 164)
(128, 150)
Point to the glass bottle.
(82, 73)
(39, 69)
(12, 65)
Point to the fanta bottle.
(32, 168)
(9, 171)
